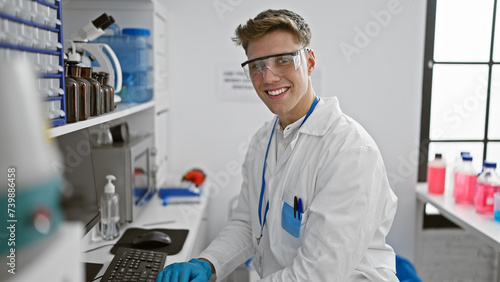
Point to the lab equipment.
(130, 264)
(107, 100)
(451, 169)
(133, 50)
(436, 175)
(488, 183)
(83, 89)
(95, 91)
(465, 182)
(30, 186)
(120, 132)
(31, 30)
(196, 176)
(110, 213)
(194, 269)
(152, 239)
(72, 97)
(91, 31)
(123, 159)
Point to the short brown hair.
(272, 20)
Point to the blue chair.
(405, 271)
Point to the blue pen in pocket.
(291, 217)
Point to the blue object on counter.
(139, 195)
(184, 192)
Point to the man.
(315, 203)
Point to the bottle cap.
(490, 164)
(136, 31)
(109, 188)
(467, 158)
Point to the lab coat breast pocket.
(292, 217)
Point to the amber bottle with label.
(95, 91)
(72, 95)
(84, 89)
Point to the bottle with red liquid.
(436, 175)
(465, 182)
(488, 183)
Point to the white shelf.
(122, 110)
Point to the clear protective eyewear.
(279, 64)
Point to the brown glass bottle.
(95, 92)
(105, 92)
(102, 95)
(84, 87)
(72, 95)
(111, 91)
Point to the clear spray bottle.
(110, 213)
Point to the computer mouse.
(152, 239)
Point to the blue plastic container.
(133, 50)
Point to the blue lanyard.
(262, 223)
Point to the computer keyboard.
(134, 265)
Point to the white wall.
(379, 85)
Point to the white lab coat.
(337, 170)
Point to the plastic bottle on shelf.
(488, 183)
(110, 215)
(436, 174)
(465, 181)
(451, 169)
(496, 206)
(133, 50)
(95, 92)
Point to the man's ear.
(311, 62)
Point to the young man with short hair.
(315, 203)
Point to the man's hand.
(195, 270)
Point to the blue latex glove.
(195, 270)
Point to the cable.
(107, 245)
(97, 278)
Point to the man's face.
(289, 96)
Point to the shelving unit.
(122, 110)
(32, 30)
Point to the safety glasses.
(279, 64)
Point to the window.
(461, 83)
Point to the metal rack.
(32, 30)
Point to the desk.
(465, 216)
(186, 216)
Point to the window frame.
(427, 90)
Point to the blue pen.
(300, 208)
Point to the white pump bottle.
(110, 212)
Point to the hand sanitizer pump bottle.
(110, 215)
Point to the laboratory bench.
(484, 227)
(190, 215)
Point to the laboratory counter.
(190, 215)
(484, 227)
